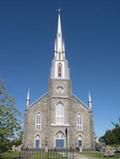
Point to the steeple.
(89, 100)
(59, 47)
(28, 99)
(59, 29)
(59, 69)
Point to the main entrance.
(60, 140)
(37, 142)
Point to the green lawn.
(51, 155)
(9, 155)
(33, 154)
(44, 155)
(97, 155)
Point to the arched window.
(59, 69)
(79, 141)
(60, 140)
(79, 122)
(37, 141)
(38, 121)
(60, 113)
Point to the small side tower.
(89, 100)
(28, 99)
(26, 125)
(92, 137)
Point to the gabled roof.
(45, 94)
(79, 100)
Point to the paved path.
(79, 156)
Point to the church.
(59, 119)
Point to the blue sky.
(91, 29)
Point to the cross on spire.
(59, 10)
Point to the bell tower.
(59, 69)
(59, 82)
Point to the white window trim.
(56, 70)
(59, 66)
(35, 140)
(80, 137)
(60, 116)
(40, 124)
(60, 138)
(79, 127)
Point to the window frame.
(79, 141)
(79, 122)
(60, 137)
(37, 137)
(38, 121)
(59, 113)
(59, 70)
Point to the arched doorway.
(79, 141)
(60, 140)
(37, 141)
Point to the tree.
(9, 119)
(108, 138)
(116, 124)
(18, 140)
(112, 137)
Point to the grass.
(51, 155)
(9, 155)
(43, 154)
(33, 154)
(93, 154)
(97, 155)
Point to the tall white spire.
(59, 29)
(59, 42)
(89, 100)
(28, 99)
(60, 68)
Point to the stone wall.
(47, 107)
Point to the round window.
(60, 89)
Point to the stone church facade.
(59, 119)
